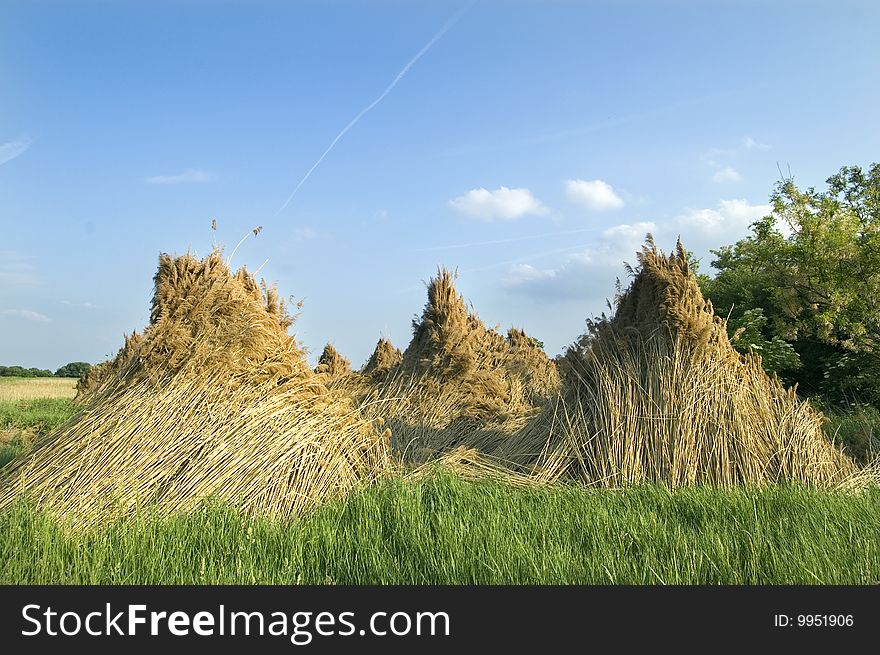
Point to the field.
(209, 450)
(30, 408)
(442, 529)
(18, 389)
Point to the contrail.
(541, 139)
(403, 71)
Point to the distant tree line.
(71, 370)
(803, 289)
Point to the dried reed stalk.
(215, 399)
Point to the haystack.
(332, 364)
(657, 393)
(530, 363)
(97, 375)
(452, 348)
(459, 383)
(214, 399)
(384, 359)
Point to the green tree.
(73, 370)
(749, 334)
(21, 372)
(812, 268)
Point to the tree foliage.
(73, 370)
(749, 334)
(22, 372)
(808, 276)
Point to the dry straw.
(458, 383)
(385, 358)
(657, 393)
(96, 376)
(215, 399)
(332, 364)
(491, 376)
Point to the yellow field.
(12, 389)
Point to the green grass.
(41, 414)
(24, 421)
(857, 429)
(8, 453)
(443, 530)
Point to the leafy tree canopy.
(808, 277)
(73, 370)
(22, 372)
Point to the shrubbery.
(803, 289)
(22, 372)
(71, 370)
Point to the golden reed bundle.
(214, 399)
(384, 359)
(332, 364)
(657, 393)
(457, 383)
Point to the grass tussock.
(214, 399)
(441, 529)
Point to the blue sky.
(531, 146)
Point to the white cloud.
(17, 279)
(714, 157)
(502, 203)
(726, 223)
(574, 278)
(751, 144)
(718, 152)
(595, 195)
(589, 275)
(629, 232)
(26, 314)
(702, 230)
(11, 150)
(520, 273)
(189, 175)
(726, 174)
